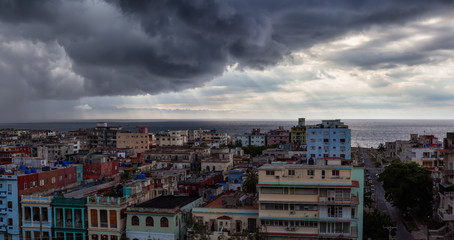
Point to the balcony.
(352, 234)
(3, 194)
(3, 210)
(445, 216)
(330, 200)
(283, 230)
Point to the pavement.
(385, 206)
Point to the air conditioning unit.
(292, 212)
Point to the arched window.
(164, 222)
(135, 221)
(150, 222)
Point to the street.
(379, 198)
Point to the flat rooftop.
(217, 203)
(167, 202)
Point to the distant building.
(138, 142)
(298, 134)
(277, 137)
(329, 139)
(192, 186)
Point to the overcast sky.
(226, 59)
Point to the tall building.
(311, 201)
(298, 134)
(446, 187)
(330, 139)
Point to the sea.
(365, 132)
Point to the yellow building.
(138, 142)
(311, 201)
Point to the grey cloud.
(129, 47)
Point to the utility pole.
(390, 236)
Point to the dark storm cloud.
(128, 47)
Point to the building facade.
(330, 139)
(306, 201)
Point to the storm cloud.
(56, 49)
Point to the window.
(135, 221)
(41, 182)
(312, 147)
(323, 174)
(149, 222)
(164, 222)
(10, 187)
(291, 172)
(270, 173)
(335, 211)
(342, 140)
(10, 204)
(335, 173)
(25, 185)
(53, 179)
(310, 173)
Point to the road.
(380, 201)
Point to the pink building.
(278, 136)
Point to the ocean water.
(365, 132)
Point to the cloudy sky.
(225, 59)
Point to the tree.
(368, 201)
(250, 183)
(408, 186)
(375, 223)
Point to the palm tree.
(250, 183)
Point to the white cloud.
(83, 107)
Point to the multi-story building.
(298, 134)
(138, 142)
(311, 201)
(329, 139)
(106, 219)
(159, 218)
(165, 182)
(215, 138)
(278, 136)
(55, 151)
(103, 137)
(36, 217)
(172, 138)
(16, 181)
(446, 187)
(69, 220)
(221, 160)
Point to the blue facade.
(330, 139)
(36, 217)
(9, 206)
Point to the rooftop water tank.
(27, 171)
(22, 167)
(34, 170)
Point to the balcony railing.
(352, 234)
(351, 200)
(445, 216)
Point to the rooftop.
(167, 202)
(217, 203)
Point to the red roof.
(224, 217)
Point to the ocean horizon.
(365, 132)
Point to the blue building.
(330, 139)
(9, 205)
(236, 178)
(36, 217)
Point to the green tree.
(250, 183)
(408, 186)
(375, 223)
(368, 201)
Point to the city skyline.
(62, 60)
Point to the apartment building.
(311, 201)
(138, 142)
(36, 217)
(172, 138)
(298, 134)
(446, 187)
(331, 138)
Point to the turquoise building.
(69, 218)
